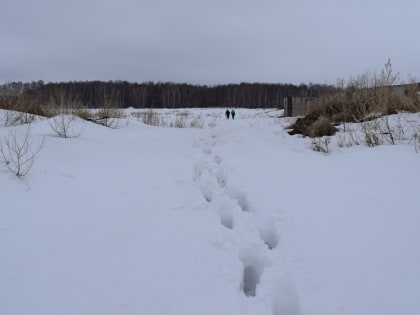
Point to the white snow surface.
(235, 218)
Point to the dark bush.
(315, 124)
(321, 127)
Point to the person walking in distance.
(227, 113)
(232, 111)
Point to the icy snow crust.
(235, 218)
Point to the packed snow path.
(236, 218)
(254, 234)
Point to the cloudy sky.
(207, 42)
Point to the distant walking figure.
(232, 111)
(227, 113)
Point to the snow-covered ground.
(235, 218)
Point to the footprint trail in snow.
(255, 236)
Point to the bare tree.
(18, 153)
(387, 77)
(62, 125)
(10, 118)
(110, 113)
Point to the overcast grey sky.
(207, 42)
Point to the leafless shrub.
(137, 115)
(82, 112)
(11, 118)
(371, 132)
(380, 130)
(354, 139)
(110, 113)
(349, 136)
(400, 128)
(108, 117)
(18, 153)
(416, 138)
(183, 113)
(386, 130)
(24, 118)
(30, 107)
(62, 125)
(153, 118)
(197, 122)
(212, 123)
(15, 118)
(342, 141)
(66, 104)
(20, 110)
(52, 109)
(150, 117)
(321, 144)
(412, 96)
(347, 139)
(180, 122)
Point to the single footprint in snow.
(207, 192)
(217, 159)
(224, 208)
(207, 151)
(221, 177)
(270, 235)
(226, 216)
(241, 197)
(207, 184)
(253, 269)
(198, 170)
(250, 280)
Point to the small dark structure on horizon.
(297, 106)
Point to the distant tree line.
(123, 94)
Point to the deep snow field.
(236, 217)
